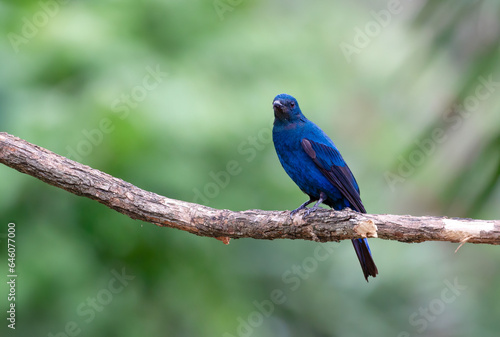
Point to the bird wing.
(334, 168)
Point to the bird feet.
(312, 209)
(322, 197)
(301, 207)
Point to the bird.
(314, 163)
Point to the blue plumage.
(313, 162)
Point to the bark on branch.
(323, 225)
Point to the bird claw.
(292, 213)
(310, 210)
(306, 213)
(322, 197)
(301, 207)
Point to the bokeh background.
(164, 94)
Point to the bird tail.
(365, 257)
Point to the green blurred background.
(164, 94)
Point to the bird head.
(286, 108)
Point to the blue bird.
(313, 162)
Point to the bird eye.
(292, 104)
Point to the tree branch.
(323, 225)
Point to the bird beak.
(277, 105)
(279, 110)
